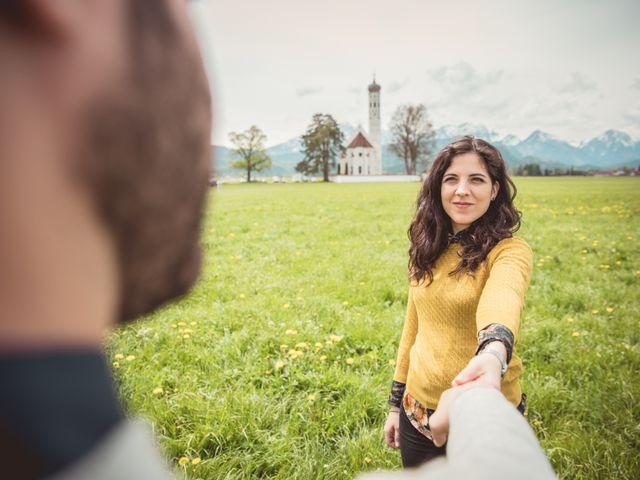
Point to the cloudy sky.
(568, 67)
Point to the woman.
(468, 277)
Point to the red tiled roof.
(360, 141)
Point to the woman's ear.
(494, 190)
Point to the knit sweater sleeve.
(407, 340)
(502, 299)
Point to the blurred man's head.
(104, 155)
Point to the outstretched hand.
(484, 368)
(439, 420)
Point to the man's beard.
(147, 161)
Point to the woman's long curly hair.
(431, 229)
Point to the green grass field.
(278, 364)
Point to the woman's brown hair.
(431, 230)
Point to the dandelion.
(392, 361)
(595, 312)
(575, 334)
(130, 358)
(187, 330)
(183, 461)
(311, 398)
(242, 295)
(335, 338)
(367, 460)
(291, 332)
(362, 283)
(295, 353)
(196, 461)
(604, 266)
(584, 251)
(349, 361)
(174, 326)
(323, 358)
(345, 303)
(158, 391)
(268, 372)
(318, 345)
(182, 324)
(118, 356)
(193, 324)
(609, 309)
(116, 365)
(284, 347)
(570, 320)
(286, 305)
(279, 364)
(186, 336)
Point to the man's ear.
(47, 19)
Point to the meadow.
(279, 362)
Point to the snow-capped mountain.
(610, 149)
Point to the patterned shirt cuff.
(493, 332)
(397, 392)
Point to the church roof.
(360, 141)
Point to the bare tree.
(249, 151)
(412, 137)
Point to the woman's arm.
(498, 313)
(406, 340)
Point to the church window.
(359, 169)
(360, 154)
(338, 169)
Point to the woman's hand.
(484, 368)
(392, 428)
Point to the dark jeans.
(416, 449)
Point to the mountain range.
(611, 149)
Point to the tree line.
(323, 143)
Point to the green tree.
(412, 137)
(321, 145)
(249, 151)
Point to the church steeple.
(374, 123)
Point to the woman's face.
(466, 190)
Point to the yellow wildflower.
(291, 332)
(367, 460)
(116, 364)
(335, 338)
(595, 312)
(302, 345)
(575, 334)
(609, 309)
(349, 361)
(318, 345)
(242, 295)
(392, 361)
(186, 336)
(118, 356)
(182, 324)
(158, 391)
(345, 303)
(193, 324)
(279, 364)
(183, 461)
(311, 398)
(286, 305)
(196, 461)
(323, 358)
(284, 347)
(130, 358)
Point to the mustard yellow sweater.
(443, 319)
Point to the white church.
(361, 161)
